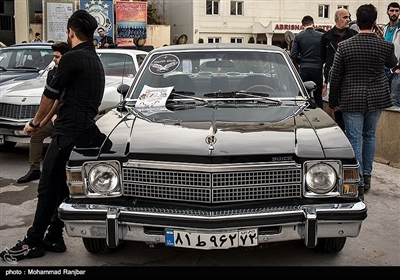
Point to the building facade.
(208, 21)
(243, 21)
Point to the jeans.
(52, 190)
(315, 75)
(361, 132)
(394, 84)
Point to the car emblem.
(23, 99)
(211, 140)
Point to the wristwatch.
(32, 125)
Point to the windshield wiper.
(242, 94)
(3, 68)
(186, 94)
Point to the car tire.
(330, 245)
(97, 246)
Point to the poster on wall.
(56, 14)
(131, 21)
(103, 12)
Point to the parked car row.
(20, 97)
(215, 146)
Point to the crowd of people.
(359, 67)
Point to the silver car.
(20, 99)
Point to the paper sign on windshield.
(153, 97)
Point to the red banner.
(131, 21)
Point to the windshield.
(205, 72)
(25, 58)
(116, 64)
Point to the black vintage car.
(215, 146)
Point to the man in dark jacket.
(78, 83)
(106, 41)
(305, 50)
(329, 44)
(360, 88)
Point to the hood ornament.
(211, 140)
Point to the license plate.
(200, 240)
(1, 139)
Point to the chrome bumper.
(305, 222)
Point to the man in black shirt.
(106, 41)
(78, 83)
(329, 44)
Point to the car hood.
(209, 135)
(11, 75)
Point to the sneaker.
(30, 176)
(367, 182)
(21, 251)
(57, 246)
(361, 192)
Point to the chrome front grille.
(18, 112)
(199, 183)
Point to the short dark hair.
(37, 34)
(83, 24)
(61, 47)
(393, 5)
(100, 28)
(366, 16)
(307, 20)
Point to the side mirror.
(123, 89)
(310, 86)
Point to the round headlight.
(103, 178)
(321, 178)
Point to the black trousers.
(315, 75)
(52, 190)
(339, 119)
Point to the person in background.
(106, 41)
(329, 44)
(78, 83)
(305, 51)
(359, 87)
(391, 33)
(353, 25)
(46, 125)
(37, 39)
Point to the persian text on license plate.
(196, 240)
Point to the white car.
(20, 99)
